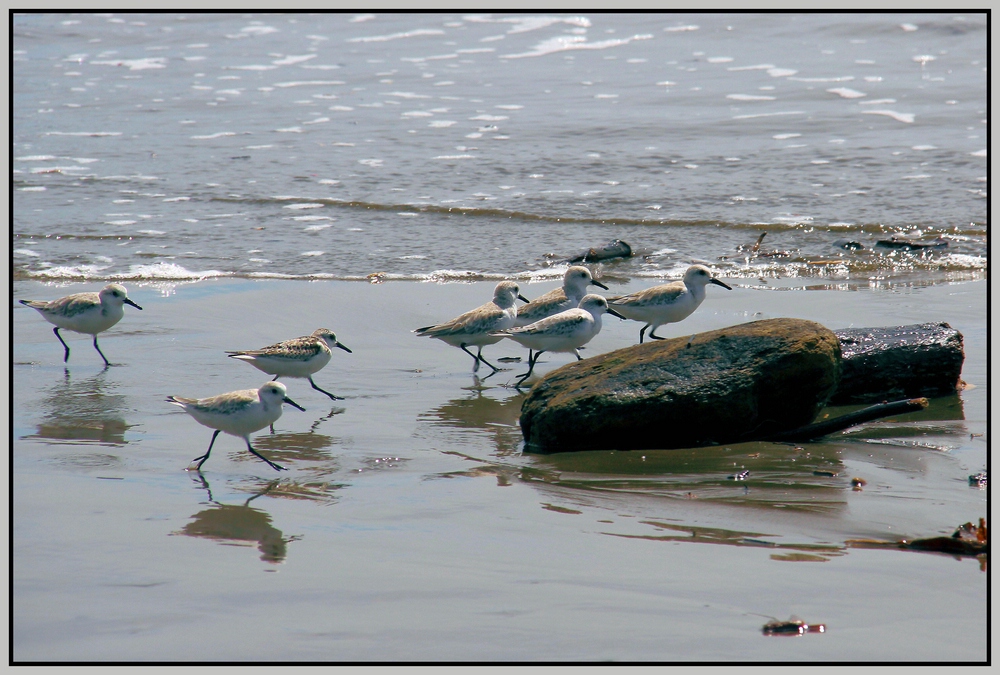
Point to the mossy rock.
(716, 387)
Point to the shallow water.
(245, 175)
(411, 526)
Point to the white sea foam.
(135, 64)
(298, 207)
(845, 92)
(308, 83)
(398, 36)
(291, 60)
(564, 43)
(524, 24)
(749, 97)
(774, 114)
(219, 134)
(898, 116)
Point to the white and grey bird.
(563, 332)
(299, 357)
(238, 413)
(474, 327)
(667, 303)
(568, 296)
(89, 313)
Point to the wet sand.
(410, 525)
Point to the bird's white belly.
(662, 313)
(289, 367)
(90, 322)
(241, 423)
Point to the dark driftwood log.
(811, 431)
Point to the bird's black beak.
(522, 298)
(598, 284)
(344, 347)
(719, 283)
(293, 404)
(129, 302)
(614, 313)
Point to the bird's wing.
(555, 295)
(289, 349)
(72, 305)
(473, 321)
(225, 404)
(664, 293)
(562, 322)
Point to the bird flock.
(562, 320)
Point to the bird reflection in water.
(305, 446)
(227, 523)
(499, 418)
(85, 409)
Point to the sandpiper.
(89, 313)
(667, 303)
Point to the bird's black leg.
(106, 362)
(66, 346)
(531, 367)
(335, 398)
(642, 331)
(276, 467)
(480, 357)
(475, 368)
(654, 336)
(208, 452)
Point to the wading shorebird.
(238, 413)
(563, 332)
(568, 296)
(667, 303)
(474, 327)
(299, 357)
(89, 313)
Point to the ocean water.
(246, 175)
(172, 147)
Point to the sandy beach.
(411, 526)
